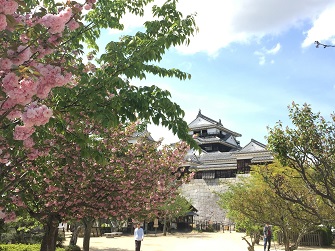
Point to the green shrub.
(209, 229)
(326, 235)
(71, 248)
(23, 247)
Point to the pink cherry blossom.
(73, 24)
(36, 115)
(8, 104)
(28, 142)
(24, 38)
(8, 6)
(23, 132)
(24, 54)
(9, 217)
(14, 114)
(10, 81)
(88, 6)
(56, 23)
(3, 22)
(5, 63)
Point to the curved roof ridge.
(207, 118)
(217, 123)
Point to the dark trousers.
(137, 245)
(267, 240)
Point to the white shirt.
(138, 234)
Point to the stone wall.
(201, 194)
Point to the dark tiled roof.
(258, 143)
(262, 159)
(225, 166)
(217, 156)
(212, 140)
(142, 134)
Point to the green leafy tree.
(307, 150)
(270, 208)
(174, 207)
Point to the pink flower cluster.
(51, 77)
(23, 132)
(8, 217)
(21, 90)
(89, 4)
(18, 92)
(56, 23)
(7, 7)
(36, 115)
(17, 58)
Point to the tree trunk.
(170, 225)
(164, 226)
(88, 223)
(286, 240)
(251, 246)
(50, 233)
(297, 241)
(75, 227)
(257, 237)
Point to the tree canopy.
(252, 202)
(59, 105)
(307, 150)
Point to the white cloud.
(274, 50)
(224, 22)
(261, 57)
(262, 54)
(321, 30)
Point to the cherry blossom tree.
(48, 93)
(132, 182)
(42, 48)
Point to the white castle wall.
(202, 195)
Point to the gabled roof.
(142, 134)
(203, 122)
(253, 146)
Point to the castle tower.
(221, 162)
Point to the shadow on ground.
(109, 249)
(191, 235)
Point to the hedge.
(23, 247)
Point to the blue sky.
(249, 61)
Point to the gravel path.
(183, 242)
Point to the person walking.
(267, 236)
(138, 235)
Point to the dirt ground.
(183, 242)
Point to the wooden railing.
(310, 239)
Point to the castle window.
(220, 174)
(208, 175)
(225, 173)
(208, 148)
(243, 165)
(198, 175)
